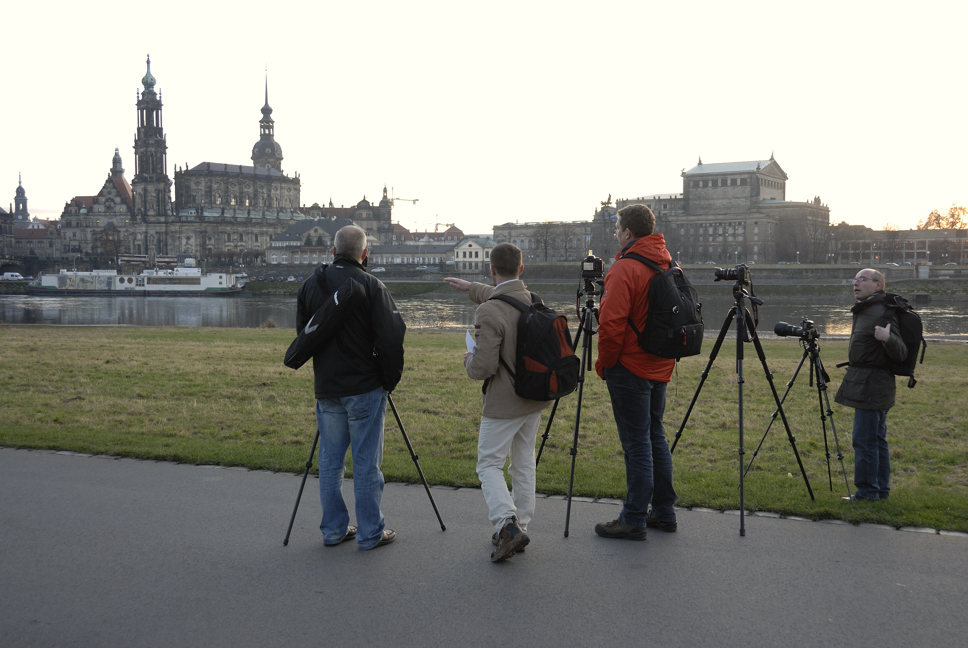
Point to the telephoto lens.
(788, 330)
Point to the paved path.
(97, 551)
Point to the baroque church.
(221, 212)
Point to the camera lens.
(788, 330)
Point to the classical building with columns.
(733, 212)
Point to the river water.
(941, 319)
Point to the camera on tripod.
(592, 267)
(740, 274)
(805, 331)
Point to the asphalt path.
(100, 551)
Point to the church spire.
(266, 152)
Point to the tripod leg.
(823, 418)
(547, 432)
(413, 456)
(309, 464)
(740, 325)
(822, 388)
(789, 386)
(586, 358)
(705, 374)
(779, 406)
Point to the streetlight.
(75, 262)
(798, 257)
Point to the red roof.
(121, 184)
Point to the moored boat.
(149, 282)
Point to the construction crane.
(393, 200)
(437, 225)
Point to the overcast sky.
(504, 111)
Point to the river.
(448, 312)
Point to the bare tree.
(955, 218)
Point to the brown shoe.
(511, 539)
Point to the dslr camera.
(805, 331)
(740, 274)
(592, 267)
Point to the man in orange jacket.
(636, 380)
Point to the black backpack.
(911, 329)
(546, 367)
(673, 326)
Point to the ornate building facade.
(221, 212)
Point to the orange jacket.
(627, 294)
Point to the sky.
(504, 111)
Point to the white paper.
(470, 342)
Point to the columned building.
(733, 212)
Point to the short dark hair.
(506, 259)
(639, 219)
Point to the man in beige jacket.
(509, 423)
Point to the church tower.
(266, 152)
(151, 185)
(21, 216)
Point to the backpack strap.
(649, 263)
(521, 307)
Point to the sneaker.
(349, 535)
(494, 542)
(662, 525)
(388, 537)
(621, 530)
(511, 539)
(858, 498)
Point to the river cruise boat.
(149, 282)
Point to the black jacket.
(367, 353)
(868, 384)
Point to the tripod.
(309, 463)
(811, 349)
(745, 332)
(587, 314)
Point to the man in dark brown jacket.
(509, 423)
(869, 386)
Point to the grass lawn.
(223, 396)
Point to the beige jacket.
(496, 330)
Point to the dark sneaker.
(621, 530)
(349, 535)
(662, 525)
(510, 540)
(858, 498)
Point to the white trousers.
(499, 439)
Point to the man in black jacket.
(869, 386)
(353, 375)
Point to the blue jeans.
(638, 405)
(872, 458)
(357, 421)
